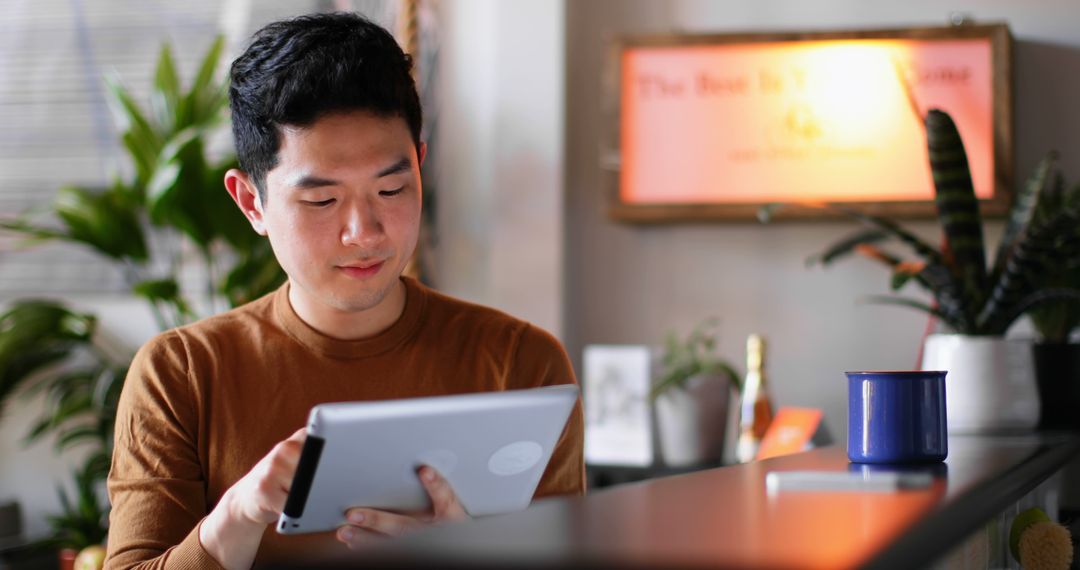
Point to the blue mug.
(897, 417)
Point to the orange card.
(791, 431)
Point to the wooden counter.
(724, 517)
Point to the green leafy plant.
(174, 193)
(686, 357)
(1056, 321)
(971, 297)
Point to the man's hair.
(297, 71)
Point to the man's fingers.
(368, 525)
(444, 501)
(356, 537)
(382, 522)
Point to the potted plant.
(990, 382)
(691, 397)
(1057, 360)
(174, 192)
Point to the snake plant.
(1041, 236)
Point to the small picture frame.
(618, 419)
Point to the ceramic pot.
(991, 382)
(1057, 374)
(691, 421)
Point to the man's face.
(342, 208)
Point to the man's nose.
(361, 226)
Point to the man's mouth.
(362, 269)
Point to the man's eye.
(391, 192)
(318, 204)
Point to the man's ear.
(422, 153)
(243, 191)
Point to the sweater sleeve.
(541, 361)
(156, 484)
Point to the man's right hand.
(231, 533)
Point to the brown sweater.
(203, 403)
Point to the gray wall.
(500, 156)
(629, 284)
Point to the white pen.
(873, 482)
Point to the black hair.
(298, 70)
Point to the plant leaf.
(103, 221)
(166, 90)
(226, 220)
(255, 274)
(904, 302)
(695, 354)
(1031, 256)
(1023, 210)
(180, 204)
(164, 291)
(73, 436)
(35, 232)
(206, 99)
(35, 334)
(132, 119)
(957, 206)
(846, 245)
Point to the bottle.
(755, 407)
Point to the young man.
(327, 126)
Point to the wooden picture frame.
(976, 79)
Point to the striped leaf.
(958, 208)
(905, 302)
(846, 245)
(1036, 250)
(923, 249)
(1031, 301)
(1027, 203)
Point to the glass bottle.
(755, 409)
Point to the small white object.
(884, 482)
(618, 421)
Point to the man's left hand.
(367, 524)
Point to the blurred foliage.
(174, 191)
(686, 357)
(1057, 321)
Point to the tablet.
(492, 448)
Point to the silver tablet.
(492, 448)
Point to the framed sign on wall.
(712, 127)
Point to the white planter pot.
(990, 385)
(691, 421)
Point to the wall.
(500, 161)
(630, 284)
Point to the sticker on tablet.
(515, 458)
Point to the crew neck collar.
(405, 325)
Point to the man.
(327, 126)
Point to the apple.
(90, 558)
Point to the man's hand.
(367, 524)
(231, 533)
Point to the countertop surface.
(725, 517)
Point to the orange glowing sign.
(724, 124)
